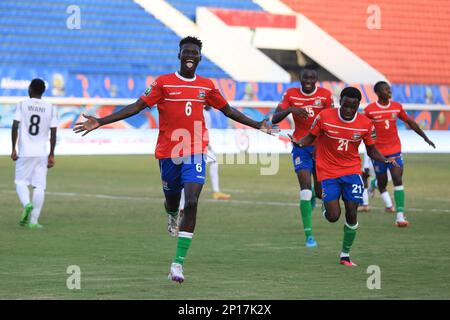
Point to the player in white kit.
(33, 121)
(369, 178)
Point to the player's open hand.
(87, 126)
(430, 142)
(267, 127)
(302, 113)
(51, 161)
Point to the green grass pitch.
(105, 214)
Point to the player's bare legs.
(192, 193)
(171, 205)
(186, 229)
(382, 181)
(317, 186)
(332, 210)
(399, 196)
(304, 179)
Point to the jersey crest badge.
(201, 94)
(356, 136)
(318, 102)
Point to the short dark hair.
(193, 40)
(377, 85)
(351, 92)
(307, 68)
(37, 86)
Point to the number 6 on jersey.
(188, 108)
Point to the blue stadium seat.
(116, 36)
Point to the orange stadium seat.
(412, 46)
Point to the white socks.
(365, 197)
(306, 195)
(38, 202)
(387, 199)
(214, 174)
(24, 193)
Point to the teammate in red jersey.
(180, 98)
(384, 114)
(304, 104)
(339, 133)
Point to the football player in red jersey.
(384, 114)
(304, 104)
(181, 147)
(339, 132)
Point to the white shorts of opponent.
(32, 170)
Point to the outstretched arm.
(414, 126)
(93, 123)
(280, 113)
(373, 153)
(238, 116)
(305, 141)
(14, 135)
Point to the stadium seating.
(116, 37)
(189, 7)
(412, 45)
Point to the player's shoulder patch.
(149, 89)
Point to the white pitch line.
(237, 202)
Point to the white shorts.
(210, 155)
(32, 170)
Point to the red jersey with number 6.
(180, 103)
(313, 103)
(385, 120)
(338, 141)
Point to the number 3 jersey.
(385, 120)
(36, 117)
(338, 141)
(180, 103)
(313, 103)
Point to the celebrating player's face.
(384, 92)
(189, 57)
(308, 81)
(349, 107)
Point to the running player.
(33, 121)
(180, 98)
(384, 114)
(304, 104)
(339, 132)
